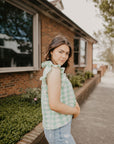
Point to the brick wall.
(16, 83)
(102, 70)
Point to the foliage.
(88, 74)
(75, 80)
(33, 94)
(17, 117)
(105, 48)
(80, 77)
(105, 40)
(108, 56)
(106, 8)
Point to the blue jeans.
(60, 135)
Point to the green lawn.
(17, 117)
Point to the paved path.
(95, 124)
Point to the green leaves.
(17, 117)
(105, 48)
(106, 8)
(80, 77)
(33, 95)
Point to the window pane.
(82, 52)
(76, 59)
(76, 45)
(16, 33)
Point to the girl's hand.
(77, 110)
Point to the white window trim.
(36, 42)
(81, 65)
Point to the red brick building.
(26, 29)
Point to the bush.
(17, 117)
(75, 80)
(32, 95)
(80, 77)
(88, 74)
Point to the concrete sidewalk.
(95, 124)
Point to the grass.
(17, 117)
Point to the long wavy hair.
(56, 42)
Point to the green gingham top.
(52, 119)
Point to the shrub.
(32, 95)
(88, 74)
(75, 80)
(17, 117)
(80, 77)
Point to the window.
(18, 50)
(80, 48)
(82, 52)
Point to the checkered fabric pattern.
(52, 119)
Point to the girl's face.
(60, 54)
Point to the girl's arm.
(54, 92)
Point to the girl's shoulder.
(49, 64)
(50, 68)
(54, 71)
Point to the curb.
(34, 136)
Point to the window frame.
(36, 40)
(79, 54)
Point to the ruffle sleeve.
(48, 66)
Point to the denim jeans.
(60, 135)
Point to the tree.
(106, 8)
(105, 39)
(105, 48)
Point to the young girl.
(58, 101)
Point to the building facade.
(26, 29)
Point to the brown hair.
(56, 42)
